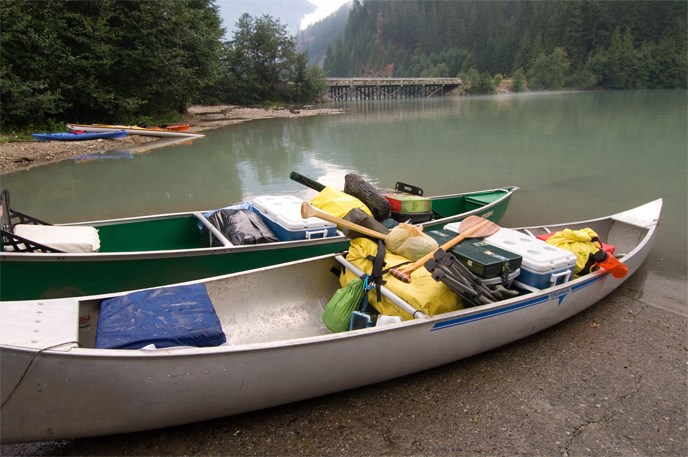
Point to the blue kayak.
(69, 136)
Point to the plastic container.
(543, 265)
(480, 257)
(404, 203)
(282, 213)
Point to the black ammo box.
(481, 258)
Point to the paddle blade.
(485, 227)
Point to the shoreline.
(23, 155)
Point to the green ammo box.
(481, 258)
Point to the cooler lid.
(286, 210)
(537, 255)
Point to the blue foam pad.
(165, 317)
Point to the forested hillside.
(125, 61)
(104, 61)
(587, 43)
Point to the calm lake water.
(574, 156)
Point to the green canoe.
(150, 251)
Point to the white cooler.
(282, 213)
(543, 265)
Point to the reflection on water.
(128, 153)
(109, 155)
(574, 156)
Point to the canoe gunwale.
(484, 211)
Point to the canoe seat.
(12, 241)
(61, 238)
(39, 324)
(164, 317)
(481, 200)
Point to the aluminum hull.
(279, 351)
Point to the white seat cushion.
(63, 238)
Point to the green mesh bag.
(344, 302)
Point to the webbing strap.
(590, 263)
(375, 277)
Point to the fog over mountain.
(289, 12)
(316, 38)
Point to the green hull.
(149, 252)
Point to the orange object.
(610, 263)
(176, 128)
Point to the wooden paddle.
(308, 210)
(471, 227)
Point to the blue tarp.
(165, 317)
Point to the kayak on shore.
(136, 130)
(75, 136)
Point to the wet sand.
(609, 381)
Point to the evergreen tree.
(548, 70)
(624, 66)
(518, 82)
(262, 64)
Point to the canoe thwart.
(212, 229)
(394, 298)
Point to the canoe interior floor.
(277, 304)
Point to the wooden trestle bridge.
(382, 88)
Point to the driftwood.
(361, 189)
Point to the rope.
(26, 371)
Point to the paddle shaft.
(405, 273)
(310, 211)
(308, 182)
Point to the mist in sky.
(293, 14)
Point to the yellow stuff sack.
(580, 242)
(337, 203)
(423, 293)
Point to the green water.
(574, 156)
